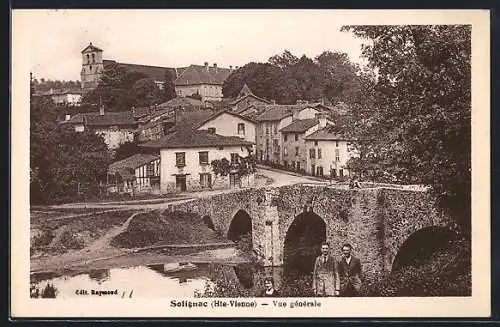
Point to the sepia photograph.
(216, 160)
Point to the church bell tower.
(92, 67)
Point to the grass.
(176, 227)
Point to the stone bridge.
(377, 222)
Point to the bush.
(71, 241)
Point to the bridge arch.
(241, 224)
(421, 244)
(302, 242)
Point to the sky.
(177, 38)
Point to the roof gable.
(222, 112)
(325, 134)
(91, 48)
(300, 126)
(132, 162)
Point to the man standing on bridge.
(326, 280)
(349, 270)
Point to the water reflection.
(177, 280)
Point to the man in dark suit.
(325, 276)
(349, 270)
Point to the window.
(337, 144)
(203, 157)
(205, 180)
(337, 155)
(315, 143)
(275, 127)
(319, 153)
(211, 130)
(296, 150)
(241, 129)
(150, 169)
(285, 151)
(285, 137)
(312, 153)
(180, 159)
(293, 165)
(267, 130)
(234, 158)
(267, 143)
(93, 57)
(296, 137)
(88, 57)
(90, 68)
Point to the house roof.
(273, 112)
(195, 139)
(108, 119)
(299, 126)
(325, 134)
(239, 99)
(181, 102)
(132, 162)
(220, 112)
(245, 90)
(196, 74)
(91, 48)
(189, 120)
(156, 73)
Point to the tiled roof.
(91, 47)
(155, 72)
(325, 134)
(299, 126)
(273, 112)
(245, 90)
(195, 139)
(181, 102)
(239, 99)
(132, 162)
(220, 112)
(189, 120)
(108, 119)
(196, 74)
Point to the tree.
(168, 87)
(423, 107)
(126, 150)
(220, 167)
(283, 61)
(146, 92)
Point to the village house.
(228, 123)
(328, 153)
(139, 173)
(115, 127)
(203, 80)
(245, 100)
(62, 97)
(186, 158)
(294, 154)
(275, 117)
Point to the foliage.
(146, 92)
(43, 85)
(62, 162)
(195, 96)
(421, 125)
(244, 243)
(126, 150)
(221, 167)
(168, 87)
(330, 77)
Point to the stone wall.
(376, 222)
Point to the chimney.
(322, 119)
(67, 117)
(206, 66)
(236, 67)
(215, 67)
(230, 67)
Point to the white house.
(227, 123)
(186, 158)
(328, 153)
(135, 174)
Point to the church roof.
(156, 73)
(91, 48)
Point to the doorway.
(180, 183)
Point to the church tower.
(92, 67)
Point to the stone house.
(186, 157)
(115, 127)
(328, 153)
(294, 153)
(246, 99)
(228, 123)
(139, 173)
(204, 81)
